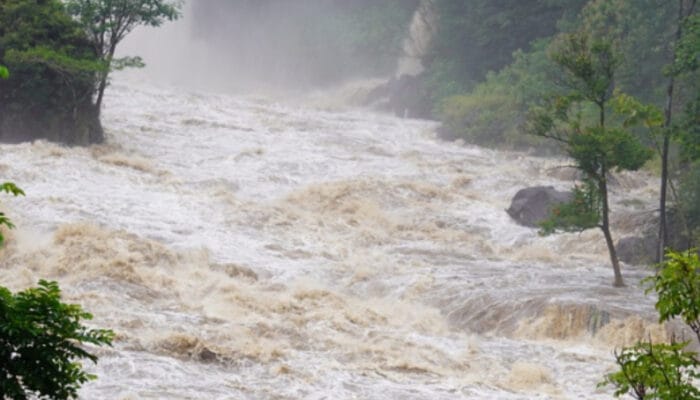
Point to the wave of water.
(244, 249)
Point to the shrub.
(41, 342)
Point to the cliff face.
(417, 43)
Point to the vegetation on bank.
(60, 54)
(665, 371)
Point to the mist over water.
(274, 45)
(247, 248)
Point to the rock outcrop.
(532, 205)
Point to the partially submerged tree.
(580, 122)
(107, 22)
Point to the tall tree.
(579, 121)
(686, 8)
(107, 22)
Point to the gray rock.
(532, 205)
(637, 250)
(641, 248)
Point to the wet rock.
(207, 355)
(532, 205)
(405, 96)
(641, 248)
(236, 271)
(637, 250)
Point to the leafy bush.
(581, 213)
(11, 188)
(493, 112)
(689, 194)
(677, 285)
(41, 342)
(655, 371)
(665, 371)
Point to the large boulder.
(405, 96)
(532, 205)
(641, 248)
(637, 250)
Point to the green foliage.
(689, 130)
(479, 36)
(4, 72)
(476, 118)
(107, 22)
(677, 285)
(688, 48)
(596, 148)
(640, 31)
(581, 213)
(41, 343)
(11, 188)
(655, 371)
(665, 371)
(636, 113)
(590, 65)
(689, 201)
(53, 74)
(493, 113)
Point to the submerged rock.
(532, 205)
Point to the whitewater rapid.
(243, 248)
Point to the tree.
(107, 22)
(677, 285)
(7, 187)
(41, 342)
(49, 93)
(679, 66)
(579, 121)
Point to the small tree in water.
(579, 121)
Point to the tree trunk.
(103, 78)
(663, 233)
(605, 227)
(683, 13)
(100, 93)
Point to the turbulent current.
(243, 248)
